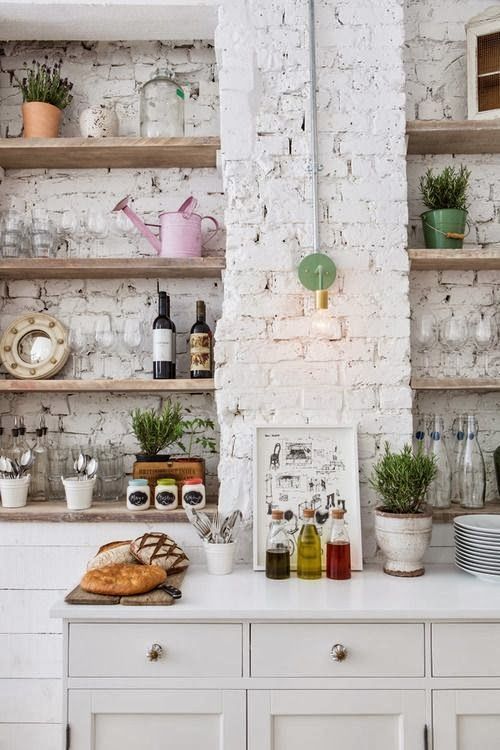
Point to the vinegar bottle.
(338, 549)
(277, 548)
(309, 548)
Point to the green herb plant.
(157, 430)
(43, 83)
(448, 189)
(402, 479)
(196, 432)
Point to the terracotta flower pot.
(403, 538)
(41, 120)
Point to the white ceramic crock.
(14, 492)
(78, 492)
(403, 538)
(99, 122)
(220, 558)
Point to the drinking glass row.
(452, 334)
(110, 477)
(461, 473)
(72, 232)
(105, 338)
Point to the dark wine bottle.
(200, 345)
(163, 341)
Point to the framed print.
(305, 466)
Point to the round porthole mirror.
(34, 346)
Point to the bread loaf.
(113, 552)
(123, 579)
(155, 548)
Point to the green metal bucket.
(444, 228)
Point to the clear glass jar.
(162, 106)
(471, 472)
(278, 548)
(439, 492)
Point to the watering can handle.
(213, 232)
(188, 207)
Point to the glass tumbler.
(110, 473)
(13, 239)
(58, 466)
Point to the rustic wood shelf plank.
(476, 385)
(54, 511)
(446, 515)
(108, 153)
(133, 385)
(111, 268)
(472, 258)
(453, 136)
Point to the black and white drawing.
(306, 467)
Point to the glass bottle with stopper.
(309, 548)
(338, 549)
(277, 548)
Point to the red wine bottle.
(163, 341)
(200, 345)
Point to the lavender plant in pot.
(403, 524)
(45, 96)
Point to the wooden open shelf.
(132, 385)
(453, 136)
(56, 511)
(107, 153)
(446, 515)
(472, 258)
(476, 385)
(110, 268)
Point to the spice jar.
(166, 494)
(162, 106)
(138, 497)
(193, 493)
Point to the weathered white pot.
(99, 122)
(403, 538)
(15, 491)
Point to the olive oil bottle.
(309, 548)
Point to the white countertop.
(442, 593)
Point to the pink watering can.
(180, 231)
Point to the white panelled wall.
(270, 366)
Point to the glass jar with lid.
(138, 497)
(166, 494)
(162, 106)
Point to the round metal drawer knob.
(155, 652)
(338, 652)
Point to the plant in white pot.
(403, 524)
(45, 96)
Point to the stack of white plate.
(477, 545)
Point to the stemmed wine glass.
(97, 225)
(453, 335)
(484, 335)
(132, 336)
(78, 340)
(104, 339)
(426, 335)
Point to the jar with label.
(166, 494)
(138, 497)
(193, 493)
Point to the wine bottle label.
(163, 345)
(200, 350)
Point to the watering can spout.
(138, 222)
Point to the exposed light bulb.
(322, 323)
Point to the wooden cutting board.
(157, 597)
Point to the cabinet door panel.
(183, 719)
(466, 719)
(296, 719)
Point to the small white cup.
(220, 558)
(78, 492)
(15, 491)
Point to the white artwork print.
(306, 466)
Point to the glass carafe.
(472, 473)
(277, 548)
(421, 434)
(162, 107)
(309, 548)
(39, 486)
(458, 431)
(439, 492)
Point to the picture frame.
(296, 466)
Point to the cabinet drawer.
(306, 650)
(466, 649)
(121, 650)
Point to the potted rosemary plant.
(156, 431)
(403, 524)
(445, 197)
(45, 96)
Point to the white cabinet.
(466, 719)
(157, 719)
(347, 719)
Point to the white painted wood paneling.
(41, 568)
(30, 701)
(28, 655)
(30, 736)
(28, 611)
